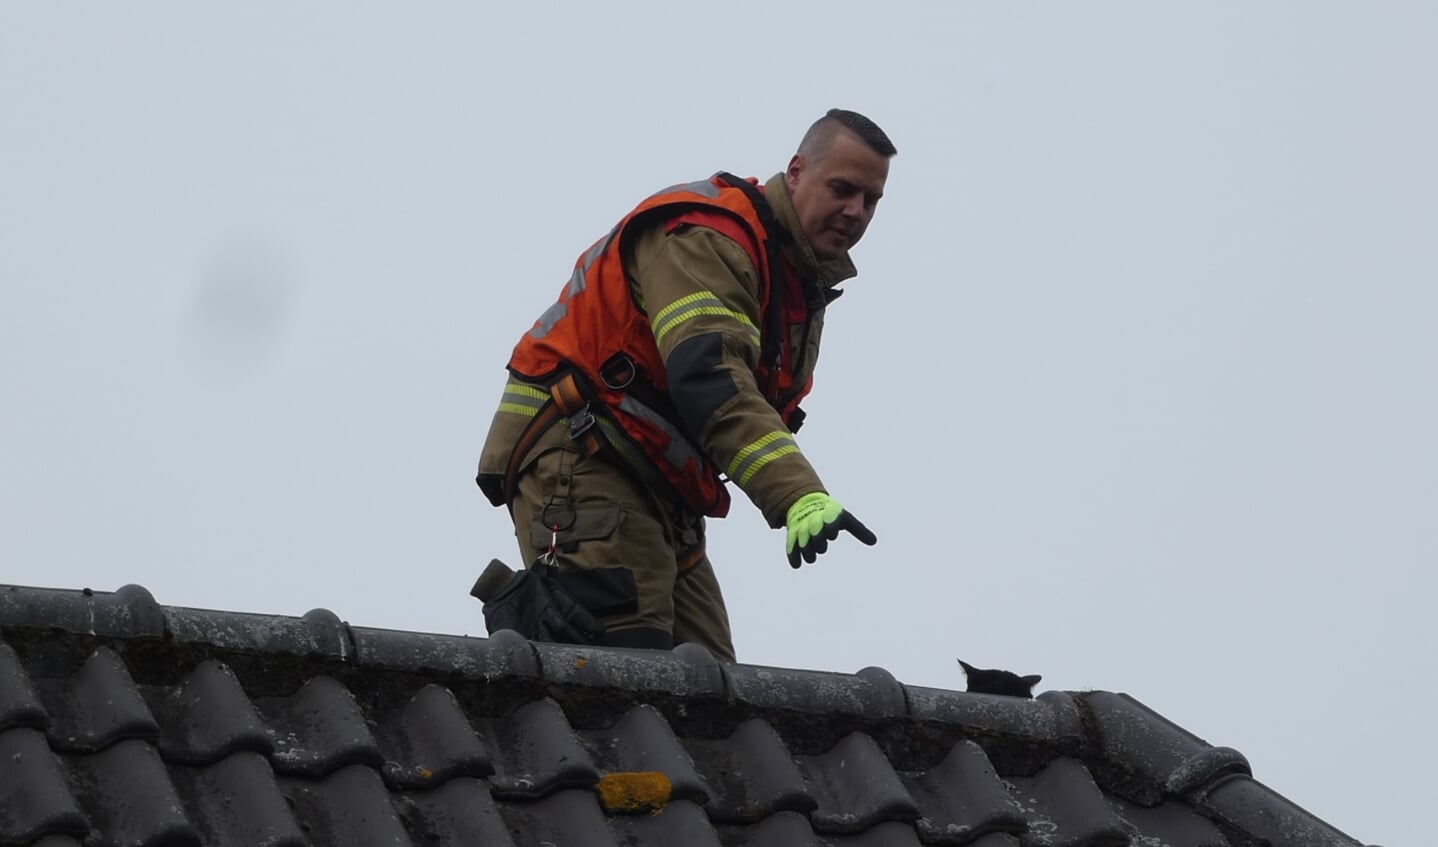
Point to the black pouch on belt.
(543, 604)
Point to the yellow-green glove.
(814, 520)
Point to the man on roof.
(673, 361)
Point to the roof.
(123, 721)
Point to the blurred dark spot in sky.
(242, 296)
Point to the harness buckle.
(580, 422)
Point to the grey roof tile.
(350, 806)
(1064, 807)
(681, 822)
(888, 834)
(856, 787)
(430, 742)
(1001, 839)
(461, 811)
(128, 797)
(206, 717)
(751, 775)
(1170, 825)
(34, 796)
(19, 703)
(642, 741)
(97, 706)
(538, 753)
(963, 798)
(571, 817)
(781, 829)
(124, 722)
(236, 802)
(318, 730)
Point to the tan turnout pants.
(598, 516)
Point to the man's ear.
(791, 174)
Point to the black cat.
(1007, 683)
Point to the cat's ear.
(968, 668)
(1031, 680)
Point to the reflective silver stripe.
(679, 451)
(760, 452)
(553, 314)
(547, 320)
(622, 445)
(702, 187)
(523, 400)
(581, 268)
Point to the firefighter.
(673, 361)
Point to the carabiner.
(548, 557)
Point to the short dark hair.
(821, 134)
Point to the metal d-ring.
(554, 525)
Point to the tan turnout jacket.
(666, 267)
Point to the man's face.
(835, 194)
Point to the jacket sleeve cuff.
(778, 514)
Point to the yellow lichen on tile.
(643, 791)
(580, 663)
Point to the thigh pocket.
(585, 523)
(602, 591)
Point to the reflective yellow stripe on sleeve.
(523, 399)
(760, 452)
(702, 303)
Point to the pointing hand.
(816, 519)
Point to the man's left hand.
(816, 519)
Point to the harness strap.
(689, 559)
(568, 400)
(548, 414)
(774, 341)
(565, 401)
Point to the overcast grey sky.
(1135, 384)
